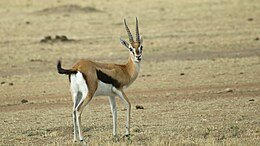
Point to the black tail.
(64, 71)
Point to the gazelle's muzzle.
(139, 57)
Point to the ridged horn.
(128, 32)
(137, 31)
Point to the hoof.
(83, 142)
(128, 138)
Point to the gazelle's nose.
(139, 57)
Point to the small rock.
(257, 38)
(241, 73)
(11, 84)
(182, 74)
(250, 19)
(47, 38)
(36, 60)
(137, 130)
(229, 90)
(27, 22)
(251, 99)
(57, 37)
(43, 41)
(139, 107)
(63, 38)
(204, 120)
(2, 83)
(148, 75)
(24, 101)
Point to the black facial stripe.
(131, 50)
(140, 49)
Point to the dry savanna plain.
(199, 82)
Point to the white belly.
(104, 89)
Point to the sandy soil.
(199, 83)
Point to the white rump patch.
(78, 88)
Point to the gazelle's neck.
(133, 68)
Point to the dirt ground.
(199, 83)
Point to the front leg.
(112, 101)
(124, 98)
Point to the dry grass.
(193, 51)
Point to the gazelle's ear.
(123, 42)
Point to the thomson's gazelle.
(89, 79)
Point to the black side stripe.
(107, 79)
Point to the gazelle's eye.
(131, 49)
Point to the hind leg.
(78, 111)
(88, 87)
(74, 126)
(75, 95)
(80, 101)
(76, 99)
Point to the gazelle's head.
(135, 47)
